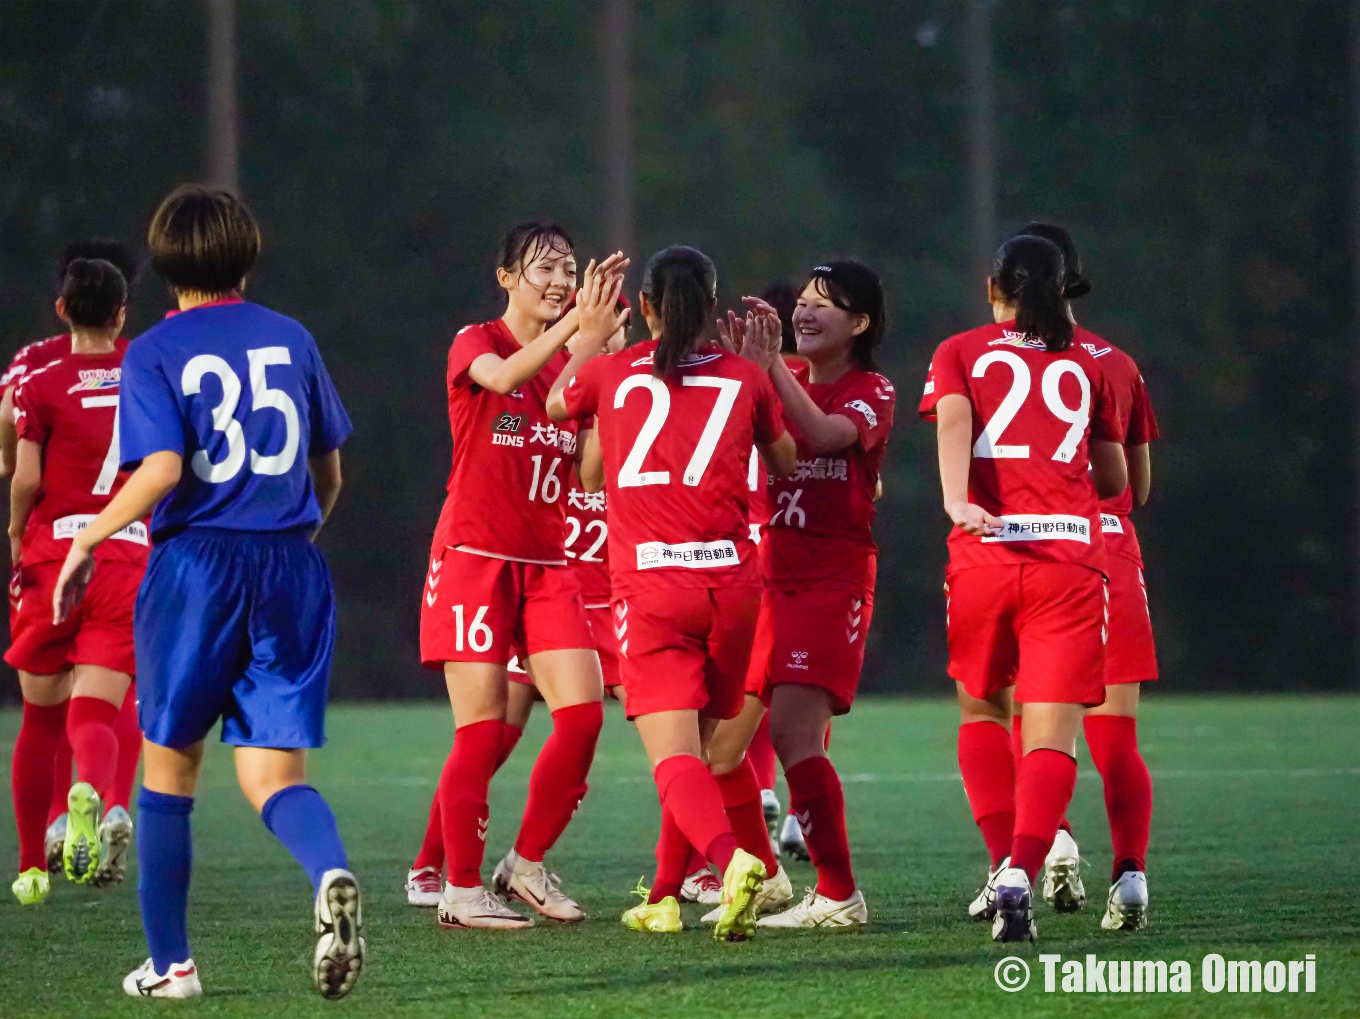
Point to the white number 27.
(631, 474)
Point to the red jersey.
(1140, 426)
(586, 543)
(677, 457)
(508, 484)
(34, 355)
(822, 515)
(1034, 414)
(758, 485)
(69, 407)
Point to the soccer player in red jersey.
(677, 418)
(75, 675)
(1130, 654)
(1029, 440)
(498, 579)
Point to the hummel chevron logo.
(436, 565)
(431, 598)
(804, 819)
(481, 828)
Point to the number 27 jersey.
(1034, 414)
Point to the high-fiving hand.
(601, 286)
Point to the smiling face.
(544, 280)
(824, 332)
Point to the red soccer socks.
(673, 857)
(741, 800)
(690, 792)
(817, 800)
(129, 735)
(31, 778)
(1113, 742)
(988, 769)
(1043, 789)
(558, 782)
(89, 726)
(761, 753)
(462, 798)
(432, 847)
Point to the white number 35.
(224, 414)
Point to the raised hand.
(601, 286)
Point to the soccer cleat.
(32, 887)
(53, 842)
(769, 802)
(775, 893)
(1126, 907)
(423, 887)
(737, 914)
(115, 835)
(984, 906)
(1014, 920)
(339, 958)
(703, 887)
(656, 917)
(477, 907)
(531, 883)
(1063, 889)
(81, 850)
(179, 981)
(819, 911)
(791, 841)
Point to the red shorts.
(813, 637)
(99, 631)
(686, 649)
(479, 609)
(1130, 654)
(1037, 626)
(601, 621)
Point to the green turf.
(1253, 843)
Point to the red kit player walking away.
(498, 581)
(30, 356)
(1027, 421)
(677, 418)
(75, 674)
(1130, 653)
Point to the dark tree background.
(1201, 152)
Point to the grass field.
(1257, 822)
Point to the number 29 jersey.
(677, 454)
(1034, 414)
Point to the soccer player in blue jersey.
(234, 429)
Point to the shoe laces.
(643, 891)
(707, 881)
(427, 880)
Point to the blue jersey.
(242, 394)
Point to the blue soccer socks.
(165, 852)
(302, 820)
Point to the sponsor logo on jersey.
(1111, 524)
(866, 410)
(65, 528)
(690, 555)
(1043, 527)
(588, 501)
(821, 469)
(1009, 338)
(97, 378)
(930, 386)
(798, 660)
(692, 361)
(1095, 351)
(550, 435)
(506, 428)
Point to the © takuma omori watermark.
(1093, 975)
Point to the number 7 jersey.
(1034, 414)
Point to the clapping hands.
(757, 337)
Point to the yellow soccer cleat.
(737, 919)
(657, 917)
(32, 887)
(82, 850)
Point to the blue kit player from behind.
(234, 430)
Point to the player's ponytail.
(1029, 274)
(93, 291)
(681, 284)
(1075, 283)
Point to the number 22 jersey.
(1034, 414)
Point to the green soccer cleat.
(32, 887)
(737, 919)
(81, 852)
(657, 917)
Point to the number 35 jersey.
(822, 515)
(69, 407)
(677, 454)
(241, 393)
(1034, 414)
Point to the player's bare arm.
(824, 433)
(506, 374)
(326, 480)
(1108, 469)
(9, 435)
(596, 305)
(590, 469)
(1139, 458)
(954, 437)
(780, 456)
(23, 491)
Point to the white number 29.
(631, 474)
(224, 414)
(988, 444)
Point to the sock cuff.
(46, 716)
(91, 709)
(739, 785)
(487, 729)
(1050, 758)
(270, 804)
(979, 730)
(810, 778)
(1110, 725)
(590, 711)
(672, 768)
(164, 803)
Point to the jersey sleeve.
(330, 425)
(470, 344)
(30, 420)
(17, 367)
(582, 393)
(1142, 422)
(149, 416)
(768, 423)
(1105, 420)
(869, 407)
(946, 377)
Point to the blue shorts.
(238, 625)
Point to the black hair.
(1075, 283)
(784, 299)
(855, 288)
(682, 284)
(203, 241)
(113, 252)
(93, 291)
(1029, 273)
(524, 242)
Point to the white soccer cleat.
(703, 887)
(773, 895)
(791, 841)
(531, 883)
(423, 886)
(339, 958)
(1127, 905)
(1063, 889)
(115, 835)
(1014, 919)
(478, 908)
(769, 803)
(180, 981)
(984, 906)
(53, 842)
(819, 911)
